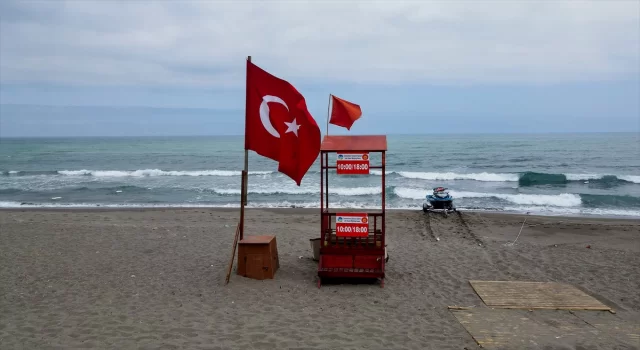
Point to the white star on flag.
(292, 127)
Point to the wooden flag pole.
(239, 235)
(328, 113)
(245, 178)
(233, 253)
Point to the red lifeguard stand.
(352, 243)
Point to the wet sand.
(154, 279)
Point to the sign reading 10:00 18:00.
(352, 224)
(352, 163)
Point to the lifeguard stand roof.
(372, 143)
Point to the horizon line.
(324, 134)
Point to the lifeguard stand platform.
(352, 242)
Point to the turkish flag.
(278, 124)
(344, 113)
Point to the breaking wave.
(25, 173)
(340, 191)
(133, 173)
(281, 204)
(488, 177)
(287, 204)
(574, 211)
(630, 178)
(523, 179)
(533, 178)
(597, 201)
(558, 200)
(156, 172)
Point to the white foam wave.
(434, 176)
(493, 177)
(409, 193)
(284, 204)
(519, 209)
(156, 172)
(558, 200)
(578, 177)
(575, 211)
(379, 172)
(340, 191)
(487, 177)
(416, 193)
(586, 177)
(630, 178)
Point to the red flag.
(344, 113)
(278, 124)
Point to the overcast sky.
(413, 66)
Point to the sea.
(592, 174)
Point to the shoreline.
(305, 211)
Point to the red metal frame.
(351, 257)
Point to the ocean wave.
(487, 177)
(10, 190)
(416, 193)
(599, 201)
(340, 191)
(484, 176)
(579, 177)
(524, 179)
(558, 200)
(630, 178)
(574, 211)
(379, 172)
(533, 179)
(313, 205)
(156, 172)
(282, 204)
(118, 189)
(25, 173)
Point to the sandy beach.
(154, 279)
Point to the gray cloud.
(204, 43)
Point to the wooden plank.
(503, 329)
(520, 329)
(534, 295)
(626, 330)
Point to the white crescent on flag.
(264, 113)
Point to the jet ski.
(439, 200)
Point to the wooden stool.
(258, 257)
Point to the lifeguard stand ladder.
(358, 250)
